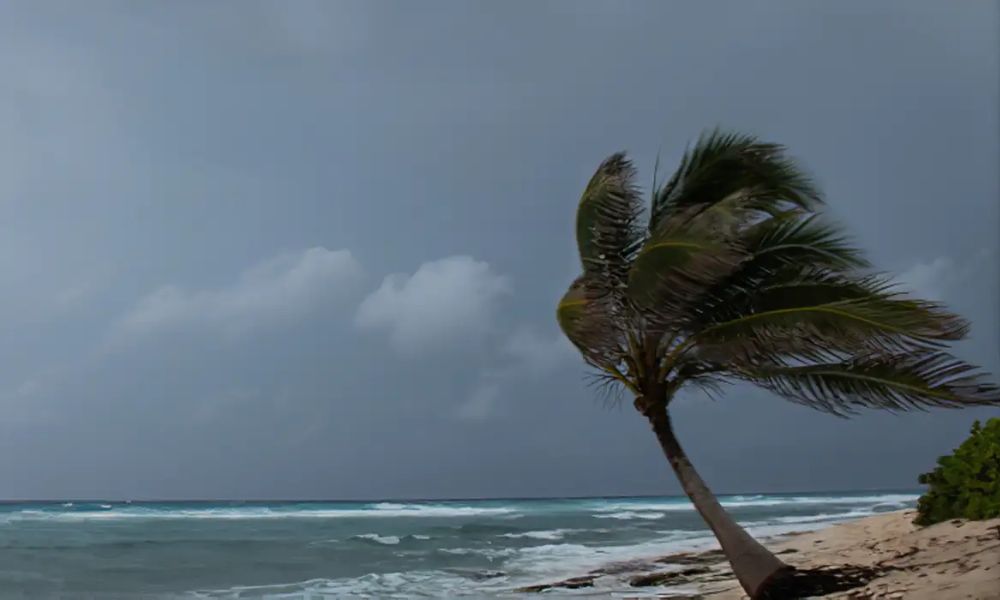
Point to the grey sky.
(312, 249)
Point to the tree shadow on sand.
(808, 583)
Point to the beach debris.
(689, 558)
(482, 575)
(572, 583)
(667, 577)
(624, 567)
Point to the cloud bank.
(280, 289)
(444, 302)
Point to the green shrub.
(966, 484)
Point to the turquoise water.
(481, 548)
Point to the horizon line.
(442, 499)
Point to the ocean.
(320, 550)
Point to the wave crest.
(385, 540)
(629, 514)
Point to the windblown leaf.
(787, 321)
(721, 165)
(667, 264)
(587, 320)
(606, 223)
(675, 267)
(777, 249)
(799, 237)
(891, 382)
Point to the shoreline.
(951, 560)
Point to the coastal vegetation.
(966, 483)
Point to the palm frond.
(712, 387)
(587, 318)
(884, 381)
(609, 390)
(776, 249)
(794, 236)
(607, 230)
(705, 376)
(811, 321)
(676, 266)
(723, 165)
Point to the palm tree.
(735, 277)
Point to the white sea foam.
(433, 510)
(823, 517)
(770, 531)
(555, 561)
(746, 498)
(630, 514)
(542, 554)
(255, 512)
(551, 534)
(490, 553)
(518, 567)
(885, 500)
(386, 540)
(800, 523)
(374, 585)
(621, 510)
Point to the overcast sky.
(313, 249)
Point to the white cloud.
(481, 404)
(280, 289)
(928, 280)
(444, 302)
(938, 278)
(536, 352)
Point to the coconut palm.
(733, 275)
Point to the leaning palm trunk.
(753, 564)
(734, 277)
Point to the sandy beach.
(951, 560)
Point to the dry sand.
(948, 561)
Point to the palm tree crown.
(736, 276)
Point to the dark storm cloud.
(312, 249)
